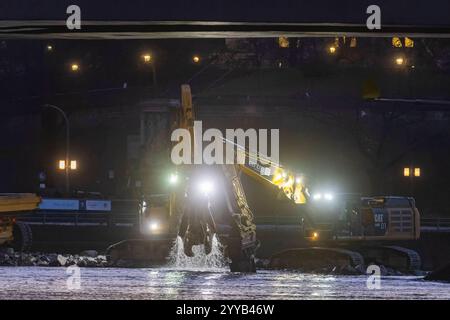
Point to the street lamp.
(196, 59)
(148, 59)
(74, 67)
(72, 166)
(62, 163)
(332, 49)
(407, 172)
(412, 173)
(399, 61)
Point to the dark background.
(329, 132)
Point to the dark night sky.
(411, 12)
(308, 77)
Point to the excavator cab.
(353, 217)
(154, 217)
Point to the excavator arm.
(197, 222)
(242, 243)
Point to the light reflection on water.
(175, 283)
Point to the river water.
(175, 283)
(203, 277)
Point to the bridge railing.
(438, 223)
(82, 219)
(132, 219)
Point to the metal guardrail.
(82, 219)
(124, 215)
(437, 223)
(131, 220)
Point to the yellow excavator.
(14, 232)
(364, 223)
(197, 225)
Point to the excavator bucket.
(197, 227)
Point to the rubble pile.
(8, 257)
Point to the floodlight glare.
(317, 196)
(329, 196)
(173, 179)
(206, 187)
(153, 226)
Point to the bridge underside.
(218, 19)
(101, 30)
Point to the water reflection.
(176, 283)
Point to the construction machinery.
(359, 227)
(12, 232)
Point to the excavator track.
(23, 237)
(396, 257)
(414, 260)
(314, 258)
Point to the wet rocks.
(8, 251)
(42, 263)
(90, 262)
(27, 260)
(7, 260)
(53, 260)
(10, 258)
(61, 260)
(102, 261)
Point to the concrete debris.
(8, 251)
(42, 263)
(87, 259)
(53, 260)
(62, 260)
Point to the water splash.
(214, 260)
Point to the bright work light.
(173, 179)
(206, 187)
